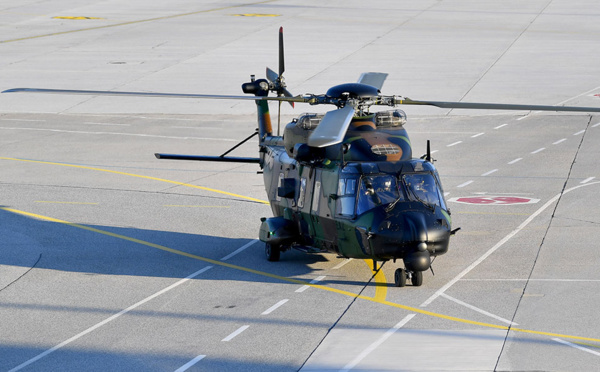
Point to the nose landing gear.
(401, 275)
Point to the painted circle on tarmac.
(493, 200)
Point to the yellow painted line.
(196, 206)
(64, 202)
(296, 281)
(139, 176)
(256, 15)
(138, 21)
(380, 281)
(75, 18)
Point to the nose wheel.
(401, 275)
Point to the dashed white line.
(236, 333)
(477, 135)
(190, 363)
(23, 120)
(587, 180)
(116, 125)
(376, 344)
(434, 151)
(239, 250)
(576, 346)
(465, 184)
(305, 287)
(274, 307)
(559, 141)
(477, 309)
(578, 133)
(523, 117)
(501, 126)
(538, 150)
(490, 172)
(109, 319)
(514, 161)
(595, 125)
(341, 264)
(454, 144)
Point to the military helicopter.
(345, 181)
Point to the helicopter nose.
(412, 236)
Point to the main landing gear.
(272, 252)
(401, 275)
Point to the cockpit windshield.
(422, 187)
(376, 190)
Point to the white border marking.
(190, 363)
(578, 133)
(500, 126)
(454, 144)
(440, 291)
(314, 281)
(477, 135)
(490, 172)
(478, 309)
(514, 161)
(587, 180)
(239, 250)
(576, 346)
(559, 141)
(274, 307)
(109, 319)
(235, 333)
(465, 184)
(375, 344)
(538, 150)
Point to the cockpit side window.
(376, 190)
(423, 187)
(346, 197)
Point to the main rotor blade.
(151, 94)
(494, 106)
(332, 128)
(374, 79)
(281, 59)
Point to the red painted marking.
(495, 200)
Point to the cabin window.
(346, 197)
(302, 193)
(422, 187)
(376, 190)
(316, 196)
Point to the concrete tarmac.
(113, 260)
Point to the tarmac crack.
(22, 275)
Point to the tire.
(417, 278)
(400, 278)
(272, 252)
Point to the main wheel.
(272, 252)
(400, 278)
(417, 278)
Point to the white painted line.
(478, 309)
(121, 134)
(477, 135)
(454, 144)
(109, 319)
(514, 161)
(578, 133)
(338, 266)
(533, 280)
(465, 184)
(587, 180)
(538, 150)
(576, 346)
(274, 307)
(501, 126)
(190, 363)
(523, 117)
(595, 125)
(314, 281)
(239, 250)
(500, 244)
(446, 194)
(434, 151)
(490, 172)
(559, 141)
(116, 125)
(237, 332)
(376, 344)
(31, 120)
